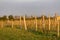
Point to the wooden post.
(49, 23)
(25, 23)
(55, 19)
(36, 22)
(58, 29)
(8, 20)
(20, 20)
(43, 22)
(12, 23)
(2, 24)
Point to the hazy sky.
(29, 7)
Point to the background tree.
(10, 17)
(4, 17)
(0, 18)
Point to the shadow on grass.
(35, 32)
(45, 33)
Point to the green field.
(21, 34)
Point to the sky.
(29, 7)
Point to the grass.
(8, 33)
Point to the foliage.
(3, 18)
(18, 34)
(10, 17)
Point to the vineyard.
(42, 26)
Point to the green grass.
(19, 34)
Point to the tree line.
(11, 17)
(6, 17)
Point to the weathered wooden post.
(36, 22)
(43, 24)
(20, 23)
(8, 20)
(25, 23)
(2, 24)
(12, 23)
(55, 19)
(20, 20)
(58, 29)
(49, 23)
